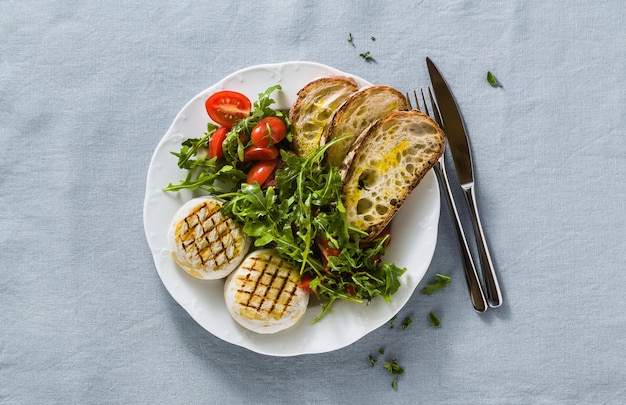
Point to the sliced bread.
(314, 105)
(385, 163)
(358, 112)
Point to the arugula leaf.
(441, 281)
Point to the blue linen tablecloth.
(88, 88)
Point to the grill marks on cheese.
(265, 288)
(204, 242)
(263, 293)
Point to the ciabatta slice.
(314, 105)
(385, 163)
(358, 112)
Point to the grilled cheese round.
(262, 294)
(204, 242)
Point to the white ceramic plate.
(414, 231)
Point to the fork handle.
(494, 295)
(471, 276)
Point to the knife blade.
(458, 142)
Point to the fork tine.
(425, 103)
(433, 104)
(417, 101)
(437, 115)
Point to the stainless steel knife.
(461, 155)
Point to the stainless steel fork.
(477, 295)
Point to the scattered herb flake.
(373, 39)
(434, 320)
(391, 321)
(407, 321)
(381, 350)
(394, 383)
(350, 39)
(367, 56)
(372, 360)
(393, 367)
(441, 281)
(491, 79)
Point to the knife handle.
(471, 276)
(494, 295)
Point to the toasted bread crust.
(357, 112)
(314, 105)
(386, 162)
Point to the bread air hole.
(323, 115)
(367, 179)
(309, 127)
(413, 150)
(423, 128)
(390, 127)
(363, 206)
(381, 209)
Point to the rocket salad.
(289, 203)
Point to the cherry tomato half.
(305, 283)
(261, 171)
(216, 143)
(253, 153)
(269, 131)
(326, 250)
(226, 107)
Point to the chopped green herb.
(407, 321)
(367, 56)
(372, 360)
(391, 321)
(394, 383)
(491, 79)
(373, 39)
(350, 39)
(393, 367)
(434, 320)
(381, 350)
(441, 281)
